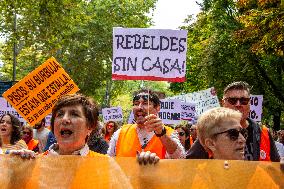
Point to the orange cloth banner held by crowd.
(34, 96)
(125, 173)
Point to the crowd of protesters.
(219, 133)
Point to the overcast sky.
(170, 14)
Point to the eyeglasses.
(181, 133)
(26, 133)
(234, 133)
(242, 100)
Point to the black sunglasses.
(144, 97)
(234, 133)
(24, 132)
(181, 133)
(242, 100)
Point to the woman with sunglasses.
(110, 128)
(183, 135)
(220, 133)
(28, 138)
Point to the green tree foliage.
(78, 33)
(237, 40)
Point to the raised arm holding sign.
(34, 96)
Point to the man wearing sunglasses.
(259, 143)
(147, 134)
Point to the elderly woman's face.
(6, 126)
(229, 142)
(70, 128)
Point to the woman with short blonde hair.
(220, 133)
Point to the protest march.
(100, 99)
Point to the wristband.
(7, 152)
(164, 131)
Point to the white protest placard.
(187, 111)
(256, 107)
(149, 54)
(112, 114)
(170, 111)
(204, 100)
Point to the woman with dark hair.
(183, 135)
(10, 134)
(73, 119)
(110, 127)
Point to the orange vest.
(32, 144)
(264, 154)
(190, 140)
(128, 143)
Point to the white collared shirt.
(82, 152)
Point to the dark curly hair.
(16, 131)
(90, 108)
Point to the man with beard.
(148, 134)
(259, 143)
(43, 135)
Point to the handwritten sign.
(112, 114)
(256, 107)
(203, 100)
(34, 96)
(149, 54)
(170, 111)
(188, 111)
(5, 108)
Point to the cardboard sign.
(188, 111)
(204, 100)
(112, 114)
(5, 108)
(170, 111)
(256, 107)
(149, 54)
(34, 96)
